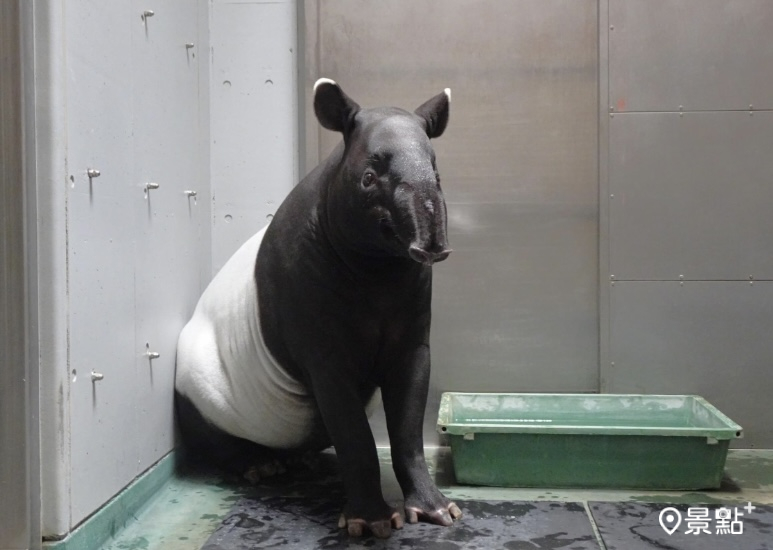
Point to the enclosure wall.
(620, 137)
(124, 235)
(254, 113)
(167, 134)
(515, 305)
(687, 254)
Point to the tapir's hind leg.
(205, 443)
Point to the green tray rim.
(731, 430)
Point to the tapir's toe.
(440, 516)
(381, 529)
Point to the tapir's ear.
(435, 113)
(334, 109)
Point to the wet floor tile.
(269, 522)
(637, 526)
(191, 505)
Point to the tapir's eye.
(368, 179)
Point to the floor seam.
(593, 525)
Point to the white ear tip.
(447, 91)
(323, 81)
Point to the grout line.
(617, 280)
(593, 525)
(669, 112)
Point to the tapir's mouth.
(416, 253)
(427, 257)
(387, 229)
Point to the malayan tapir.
(291, 340)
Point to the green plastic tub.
(586, 440)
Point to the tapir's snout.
(424, 225)
(427, 257)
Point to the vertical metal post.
(32, 363)
(300, 88)
(19, 460)
(605, 114)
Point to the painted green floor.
(190, 505)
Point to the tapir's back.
(225, 370)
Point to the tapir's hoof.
(310, 460)
(442, 516)
(381, 529)
(263, 470)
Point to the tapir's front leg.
(343, 413)
(405, 398)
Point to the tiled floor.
(191, 505)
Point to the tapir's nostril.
(426, 257)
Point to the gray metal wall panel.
(688, 196)
(104, 428)
(168, 223)
(516, 304)
(254, 132)
(701, 54)
(707, 338)
(100, 252)
(134, 257)
(691, 196)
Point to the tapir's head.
(388, 188)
